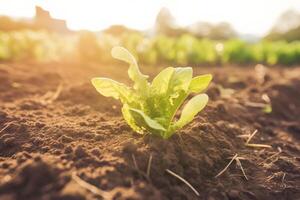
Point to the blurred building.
(43, 20)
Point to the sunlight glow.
(251, 16)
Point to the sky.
(247, 16)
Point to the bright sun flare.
(252, 16)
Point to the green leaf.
(178, 87)
(181, 78)
(140, 80)
(160, 83)
(199, 83)
(192, 108)
(111, 88)
(177, 92)
(129, 119)
(147, 121)
(123, 54)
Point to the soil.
(57, 134)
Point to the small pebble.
(129, 147)
(68, 149)
(95, 152)
(65, 139)
(80, 152)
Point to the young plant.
(151, 107)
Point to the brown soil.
(48, 145)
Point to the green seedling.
(151, 107)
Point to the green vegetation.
(182, 50)
(34, 45)
(151, 107)
(190, 50)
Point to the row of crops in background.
(34, 45)
(191, 50)
(183, 50)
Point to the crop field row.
(184, 50)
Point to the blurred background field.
(44, 38)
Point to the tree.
(165, 22)
(287, 27)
